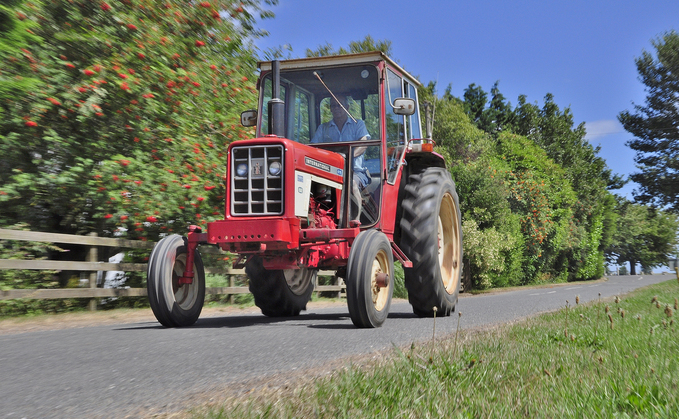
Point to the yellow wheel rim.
(450, 252)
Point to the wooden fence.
(92, 265)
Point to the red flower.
(138, 182)
(213, 67)
(200, 199)
(82, 89)
(69, 65)
(124, 162)
(122, 75)
(147, 95)
(31, 124)
(115, 178)
(107, 216)
(195, 83)
(209, 188)
(123, 217)
(130, 70)
(244, 78)
(200, 43)
(105, 7)
(141, 56)
(88, 72)
(124, 86)
(151, 219)
(176, 56)
(131, 27)
(97, 68)
(205, 4)
(99, 114)
(186, 186)
(53, 101)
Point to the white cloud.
(602, 128)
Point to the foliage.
(644, 235)
(524, 218)
(130, 106)
(565, 179)
(654, 124)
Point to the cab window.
(395, 124)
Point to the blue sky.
(580, 51)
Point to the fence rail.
(93, 266)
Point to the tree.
(130, 107)
(365, 45)
(475, 99)
(645, 236)
(656, 124)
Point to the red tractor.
(337, 178)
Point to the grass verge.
(604, 359)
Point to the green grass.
(577, 362)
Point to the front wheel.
(370, 279)
(431, 237)
(172, 304)
(277, 292)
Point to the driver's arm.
(360, 150)
(362, 133)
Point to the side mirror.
(404, 106)
(248, 118)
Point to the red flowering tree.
(116, 114)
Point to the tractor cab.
(362, 106)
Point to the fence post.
(232, 283)
(93, 256)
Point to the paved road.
(113, 371)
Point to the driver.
(343, 128)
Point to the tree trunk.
(632, 267)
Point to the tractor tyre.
(174, 305)
(280, 293)
(431, 237)
(370, 256)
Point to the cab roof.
(338, 60)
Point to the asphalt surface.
(126, 370)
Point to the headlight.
(275, 168)
(242, 170)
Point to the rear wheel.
(431, 237)
(172, 304)
(280, 293)
(370, 279)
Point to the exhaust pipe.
(276, 105)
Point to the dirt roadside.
(14, 325)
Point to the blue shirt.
(351, 131)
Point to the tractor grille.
(256, 185)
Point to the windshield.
(313, 114)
